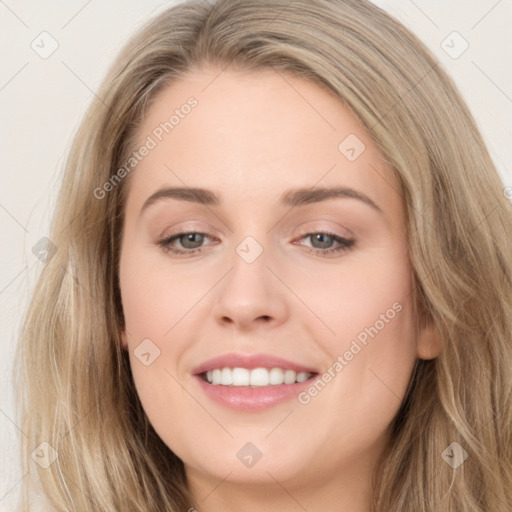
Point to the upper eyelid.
(304, 233)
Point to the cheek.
(153, 304)
(360, 294)
(154, 299)
(366, 394)
(372, 350)
(367, 318)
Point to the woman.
(283, 277)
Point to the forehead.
(252, 135)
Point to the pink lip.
(250, 361)
(246, 398)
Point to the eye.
(323, 243)
(326, 244)
(190, 242)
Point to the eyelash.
(345, 244)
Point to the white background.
(42, 101)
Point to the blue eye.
(324, 243)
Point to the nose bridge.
(250, 292)
(250, 266)
(248, 280)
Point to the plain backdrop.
(43, 99)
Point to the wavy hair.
(76, 389)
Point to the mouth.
(252, 382)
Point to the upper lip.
(250, 361)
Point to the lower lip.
(253, 399)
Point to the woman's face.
(279, 340)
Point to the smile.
(252, 382)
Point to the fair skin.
(252, 137)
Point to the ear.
(429, 341)
(124, 340)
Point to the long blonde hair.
(77, 393)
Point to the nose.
(251, 296)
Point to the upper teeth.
(256, 377)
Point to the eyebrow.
(304, 196)
(293, 197)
